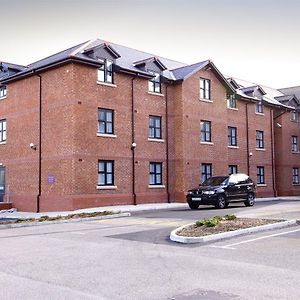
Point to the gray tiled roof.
(291, 91)
(9, 69)
(183, 72)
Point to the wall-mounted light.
(32, 146)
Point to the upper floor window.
(105, 72)
(105, 172)
(232, 169)
(293, 115)
(294, 143)
(295, 175)
(231, 101)
(155, 173)
(154, 127)
(3, 91)
(259, 108)
(204, 89)
(105, 121)
(2, 131)
(206, 171)
(259, 139)
(205, 131)
(232, 133)
(260, 175)
(154, 84)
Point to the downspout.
(247, 137)
(272, 152)
(40, 145)
(167, 145)
(133, 144)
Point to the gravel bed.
(223, 226)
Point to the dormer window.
(204, 89)
(105, 72)
(3, 91)
(154, 84)
(294, 116)
(259, 107)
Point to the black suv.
(221, 190)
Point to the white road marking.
(253, 240)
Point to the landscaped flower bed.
(221, 224)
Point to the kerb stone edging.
(28, 224)
(219, 236)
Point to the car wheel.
(250, 200)
(193, 205)
(221, 202)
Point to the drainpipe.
(272, 152)
(133, 144)
(247, 138)
(40, 145)
(167, 145)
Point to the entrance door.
(2, 183)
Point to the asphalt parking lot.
(132, 258)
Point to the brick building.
(101, 124)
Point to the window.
(154, 127)
(260, 175)
(231, 101)
(259, 139)
(155, 174)
(154, 84)
(294, 143)
(3, 91)
(205, 131)
(232, 169)
(204, 88)
(105, 72)
(232, 136)
(295, 176)
(259, 107)
(294, 115)
(105, 121)
(206, 171)
(2, 131)
(105, 172)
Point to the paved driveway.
(132, 258)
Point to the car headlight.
(208, 192)
(190, 192)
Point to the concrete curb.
(219, 236)
(30, 224)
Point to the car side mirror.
(230, 183)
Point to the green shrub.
(212, 222)
(230, 217)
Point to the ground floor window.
(105, 172)
(155, 173)
(295, 175)
(206, 171)
(260, 175)
(232, 169)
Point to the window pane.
(152, 179)
(101, 75)
(109, 179)
(109, 128)
(109, 116)
(157, 122)
(4, 125)
(101, 167)
(101, 127)
(158, 179)
(151, 168)
(109, 167)
(151, 121)
(101, 179)
(157, 133)
(151, 132)
(157, 88)
(158, 168)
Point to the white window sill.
(156, 140)
(295, 121)
(106, 187)
(259, 114)
(260, 149)
(106, 135)
(296, 184)
(3, 143)
(206, 100)
(2, 98)
(233, 147)
(106, 84)
(156, 94)
(156, 186)
(206, 143)
(261, 185)
(295, 152)
(232, 108)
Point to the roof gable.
(144, 63)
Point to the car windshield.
(214, 181)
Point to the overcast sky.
(256, 40)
